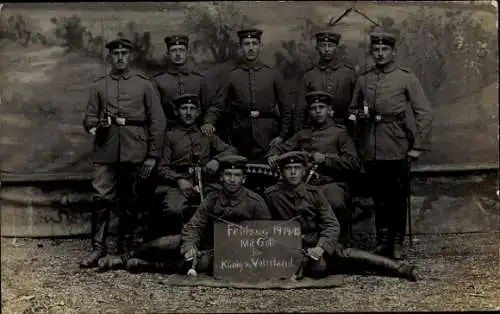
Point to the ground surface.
(459, 272)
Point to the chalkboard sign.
(257, 250)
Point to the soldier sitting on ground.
(332, 150)
(233, 203)
(186, 148)
(324, 255)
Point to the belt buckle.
(254, 113)
(378, 118)
(120, 121)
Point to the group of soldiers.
(195, 136)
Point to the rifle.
(197, 174)
(104, 118)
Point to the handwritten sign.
(257, 250)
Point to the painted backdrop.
(52, 52)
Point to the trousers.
(389, 184)
(114, 188)
(337, 195)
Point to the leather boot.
(137, 265)
(100, 230)
(369, 260)
(383, 247)
(397, 247)
(111, 262)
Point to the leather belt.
(125, 121)
(381, 118)
(256, 114)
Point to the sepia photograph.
(249, 156)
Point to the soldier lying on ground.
(324, 255)
(332, 150)
(233, 203)
(186, 148)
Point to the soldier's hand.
(318, 158)
(276, 141)
(271, 160)
(315, 253)
(147, 168)
(352, 117)
(207, 129)
(93, 131)
(415, 154)
(190, 254)
(186, 187)
(211, 167)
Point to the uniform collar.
(388, 68)
(328, 123)
(124, 75)
(175, 69)
(333, 64)
(232, 199)
(245, 65)
(188, 129)
(297, 191)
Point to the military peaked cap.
(318, 97)
(186, 99)
(232, 162)
(250, 33)
(328, 37)
(177, 40)
(119, 43)
(293, 157)
(379, 37)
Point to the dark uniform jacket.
(179, 148)
(187, 79)
(394, 94)
(260, 88)
(331, 139)
(334, 78)
(218, 207)
(318, 222)
(132, 96)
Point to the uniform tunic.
(130, 95)
(256, 87)
(187, 79)
(181, 144)
(333, 140)
(334, 78)
(318, 223)
(396, 94)
(217, 207)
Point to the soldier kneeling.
(233, 203)
(292, 198)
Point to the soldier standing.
(233, 203)
(185, 148)
(292, 198)
(183, 77)
(125, 116)
(255, 96)
(332, 150)
(328, 75)
(395, 119)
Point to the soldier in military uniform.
(233, 203)
(293, 199)
(332, 150)
(328, 75)
(181, 77)
(124, 114)
(394, 117)
(255, 96)
(185, 148)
